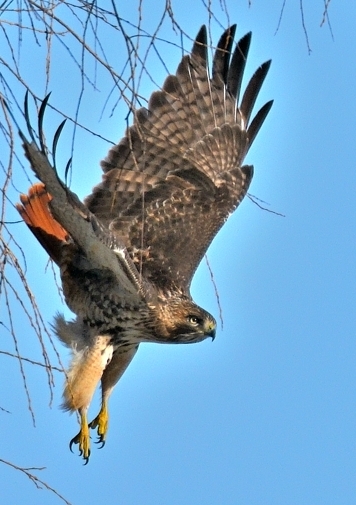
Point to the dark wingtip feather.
(55, 142)
(257, 121)
(237, 66)
(40, 123)
(253, 89)
(66, 171)
(200, 44)
(222, 54)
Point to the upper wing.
(172, 181)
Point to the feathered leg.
(121, 358)
(85, 372)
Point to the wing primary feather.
(68, 165)
(200, 44)
(252, 90)
(40, 123)
(257, 122)
(55, 142)
(222, 54)
(237, 66)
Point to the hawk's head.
(181, 321)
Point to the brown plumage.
(128, 254)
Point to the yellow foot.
(101, 422)
(83, 440)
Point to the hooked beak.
(211, 331)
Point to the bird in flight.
(128, 253)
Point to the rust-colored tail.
(36, 213)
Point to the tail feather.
(36, 213)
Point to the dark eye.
(194, 320)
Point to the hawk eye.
(194, 320)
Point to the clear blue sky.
(267, 413)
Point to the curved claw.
(101, 441)
(101, 422)
(83, 440)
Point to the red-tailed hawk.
(127, 255)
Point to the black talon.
(73, 441)
(100, 441)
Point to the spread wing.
(174, 178)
